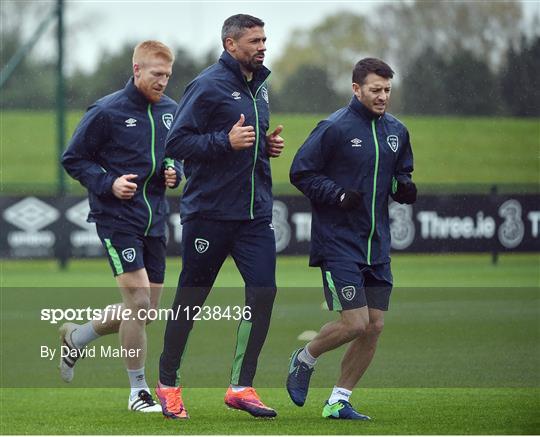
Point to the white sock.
(339, 394)
(306, 357)
(83, 335)
(137, 381)
(237, 388)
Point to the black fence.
(52, 227)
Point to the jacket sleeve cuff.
(222, 142)
(337, 195)
(106, 184)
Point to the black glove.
(405, 193)
(350, 199)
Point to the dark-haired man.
(220, 133)
(348, 167)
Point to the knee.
(140, 303)
(153, 309)
(354, 330)
(374, 329)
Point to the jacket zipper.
(373, 197)
(153, 154)
(254, 97)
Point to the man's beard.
(252, 65)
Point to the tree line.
(450, 58)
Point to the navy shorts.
(206, 244)
(130, 252)
(348, 285)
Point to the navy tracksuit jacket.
(123, 133)
(353, 149)
(226, 208)
(223, 184)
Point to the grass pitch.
(463, 152)
(394, 411)
(460, 354)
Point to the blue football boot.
(342, 410)
(298, 379)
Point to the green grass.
(475, 150)
(462, 151)
(459, 355)
(394, 411)
(512, 270)
(28, 147)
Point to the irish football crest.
(129, 254)
(201, 245)
(348, 292)
(264, 93)
(393, 142)
(167, 120)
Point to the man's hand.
(274, 143)
(241, 137)
(170, 177)
(123, 188)
(405, 193)
(350, 200)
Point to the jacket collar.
(232, 64)
(134, 94)
(357, 106)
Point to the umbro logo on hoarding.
(31, 214)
